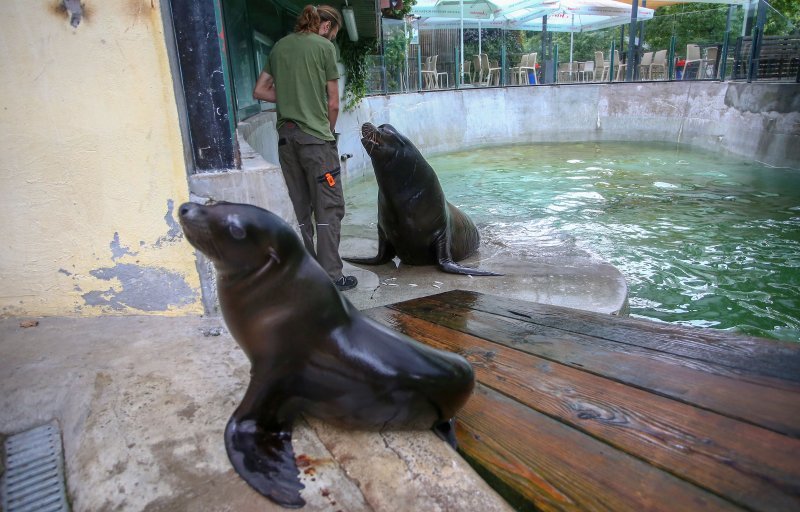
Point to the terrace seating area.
(780, 59)
(777, 58)
(501, 43)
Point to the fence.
(710, 42)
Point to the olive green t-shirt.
(301, 64)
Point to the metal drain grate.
(34, 477)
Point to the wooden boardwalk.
(583, 411)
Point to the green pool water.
(702, 239)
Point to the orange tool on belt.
(330, 177)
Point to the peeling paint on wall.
(117, 251)
(143, 288)
(103, 102)
(75, 10)
(175, 232)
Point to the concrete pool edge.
(751, 121)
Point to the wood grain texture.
(749, 465)
(558, 468)
(766, 401)
(761, 356)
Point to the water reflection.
(702, 239)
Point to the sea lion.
(311, 351)
(415, 221)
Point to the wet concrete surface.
(142, 401)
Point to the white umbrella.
(583, 15)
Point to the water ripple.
(702, 239)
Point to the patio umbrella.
(584, 15)
(655, 4)
(444, 13)
(457, 9)
(527, 15)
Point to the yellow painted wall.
(91, 164)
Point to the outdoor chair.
(658, 68)
(565, 72)
(709, 64)
(492, 72)
(428, 74)
(516, 73)
(513, 71)
(466, 72)
(478, 70)
(620, 70)
(599, 65)
(588, 70)
(530, 68)
(431, 76)
(692, 57)
(608, 64)
(644, 66)
(440, 74)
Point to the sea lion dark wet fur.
(311, 350)
(415, 221)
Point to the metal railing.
(718, 42)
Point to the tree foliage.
(356, 59)
(705, 23)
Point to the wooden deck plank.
(728, 457)
(755, 355)
(558, 468)
(764, 401)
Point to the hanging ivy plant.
(355, 57)
(398, 9)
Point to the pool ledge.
(569, 278)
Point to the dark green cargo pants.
(311, 169)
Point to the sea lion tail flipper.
(446, 264)
(452, 267)
(446, 430)
(385, 253)
(265, 460)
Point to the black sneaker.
(346, 283)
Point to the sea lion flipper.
(447, 432)
(452, 267)
(385, 252)
(446, 263)
(265, 459)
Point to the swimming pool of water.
(702, 239)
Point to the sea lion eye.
(235, 228)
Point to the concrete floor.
(143, 400)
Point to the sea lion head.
(384, 143)
(237, 237)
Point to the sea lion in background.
(311, 351)
(415, 221)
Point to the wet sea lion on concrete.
(311, 351)
(415, 221)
